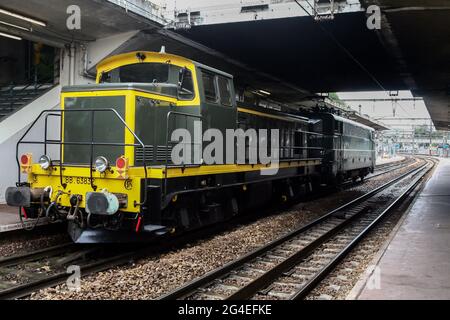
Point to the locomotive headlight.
(45, 162)
(101, 164)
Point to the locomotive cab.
(113, 135)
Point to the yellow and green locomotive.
(109, 172)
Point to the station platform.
(415, 264)
(9, 219)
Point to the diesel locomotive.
(109, 172)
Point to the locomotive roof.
(328, 115)
(214, 70)
(273, 112)
(150, 56)
(356, 124)
(145, 87)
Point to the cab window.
(225, 91)
(186, 89)
(209, 87)
(161, 78)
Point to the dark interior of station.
(25, 62)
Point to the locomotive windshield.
(165, 78)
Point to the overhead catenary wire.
(346, 51)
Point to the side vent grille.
(148, 154)
(162, 152)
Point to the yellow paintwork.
(41, 178)
(116, 61)
(76, 177)
(130, 119)
(130, 100)
(159, 173)
(130, 108)
(267, 115)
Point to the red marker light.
(121, 163)
(25, 163)
(122, 167)
(24, 159)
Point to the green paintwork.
(107, 128)
(151, 128)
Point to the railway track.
(35, 255)
(393, 164)
(23, 274)
(389, 167)
(381, 170)
(291, 266)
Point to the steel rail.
(267, 278)
(391, 168)
(24, 290)
(193, 286)
(392, 164)
(39, 254)
(319, 276)
(119, 259)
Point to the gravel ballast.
(151, 277)
(24, 242)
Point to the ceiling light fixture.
(19, 16)
(15, 26)
(10, 36)
(264, 92)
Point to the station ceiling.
(292, 58)
(300, 52)
(410, 52)
(269, 55)
(421, 32)
(100, 19)
(245, 75)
